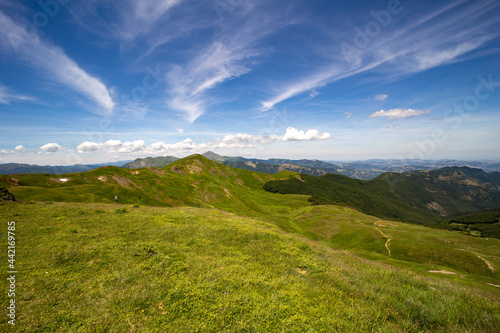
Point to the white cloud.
(87, 147)
(129, 147)
(241, 140)
(143, 16)
(112, 146)
(187, 144)
(6, 97)
(51, 148)
(230, 141)
(381, 97)
(131, 19)
(20, 149)
(232, 53)
(52, 60)
(293, 134)
(394, 114)
(4, 152)
(348, 115)
(113, 143)
(217, 63)
(448, 34)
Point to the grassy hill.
(117, 268)
(193, 181)
(422, 197)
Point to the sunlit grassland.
(419, 247)
(95, 267)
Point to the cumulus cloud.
(381, 97)
(87, 147)
(20, 149)
(187, 144)
(112, 146)
(230, 141)
(395, 114)
(4, 152)
(241, 140)
(51, 148)
(293, 134)
(129, 147)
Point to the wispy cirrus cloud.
(232, 53)
(188, 83)
(6, 97)
(395, 114)
(126, 20)
(381, 97)
(42, 55)
(448, 34)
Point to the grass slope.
(194, 181)
(96, 268)
(475, 260)
(423, 197)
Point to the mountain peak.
(195, 164)
(213, 156)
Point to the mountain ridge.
(423, 197)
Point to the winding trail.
(386, 243)
(490, 265)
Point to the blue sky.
(97, 81)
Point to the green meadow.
(201, 247)
(113, 268)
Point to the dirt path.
(443, 271)
(386, 243)
(490, 265)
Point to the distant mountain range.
(270, 166)
(18, 168)
(380, 165)
(364, 170)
